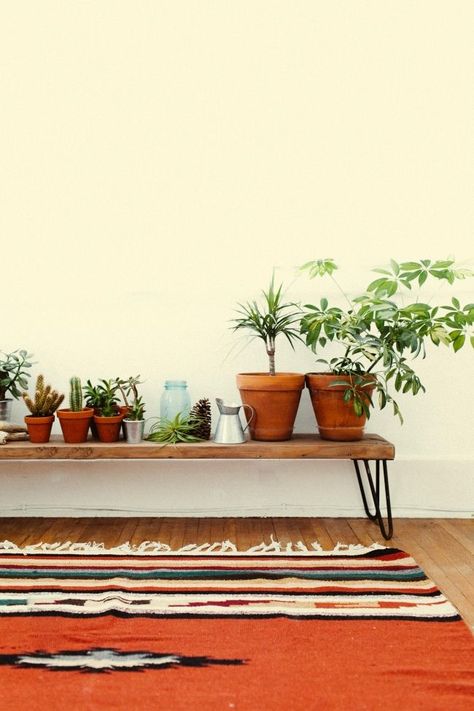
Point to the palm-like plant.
(270, 319)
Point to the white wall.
(159, 159)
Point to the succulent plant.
(14, 373)
(137, 409)
(75, 395)
(46, 400)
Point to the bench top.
(301, 446)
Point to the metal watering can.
(229, 428)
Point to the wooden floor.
(443, 547)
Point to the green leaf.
(422, 278)
(395, 267)
(377, 284)
(410, 266)
(459, 342)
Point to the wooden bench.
(372, 448)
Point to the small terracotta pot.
(39, 428)
(336, 418)
(275, 400)
(108, 428)
(75, 425)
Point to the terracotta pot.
(336, 418)
(108, 428)
(39, 428)
(275, 400)
(75, 425)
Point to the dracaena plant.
(269, 319)
(381, 332)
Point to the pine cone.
(201, 413)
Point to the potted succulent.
(108, 419)
(13, 379)
(273, 396)
(76, 420)
(379, 336)
(128, 391)
(42, 407)
(134, 421)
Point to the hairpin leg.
(375, 491)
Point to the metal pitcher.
(229, 428)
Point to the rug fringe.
(155, 547)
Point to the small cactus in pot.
(42, 407)
(76, 420)
(75, 394)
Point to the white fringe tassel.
(155, 547)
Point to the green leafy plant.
(75, 394)
(46, 400)
(132, 400)
(128, 388)
(94, 396)
(269, 319)
(14, 373)
(379, 334)
(108, 390)
(182, 428)
(137, 409)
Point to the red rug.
(357, 629)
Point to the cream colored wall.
(158, 159)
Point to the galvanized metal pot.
(134, 430)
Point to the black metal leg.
(375, 491)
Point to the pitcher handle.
(251, 416)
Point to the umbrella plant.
(382, 331)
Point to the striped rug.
(85, 628)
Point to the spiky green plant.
(270, 319)
(181, 428)
(46, 400)
(75, 395)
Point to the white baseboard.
(419, 488)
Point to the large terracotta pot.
(39, 428)
(108, 428)
(336, 418)
(75, 425)
(274, 399)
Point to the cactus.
(75, 396)
(46, 400)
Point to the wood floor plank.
(464, 534)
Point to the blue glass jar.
(175, 399)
